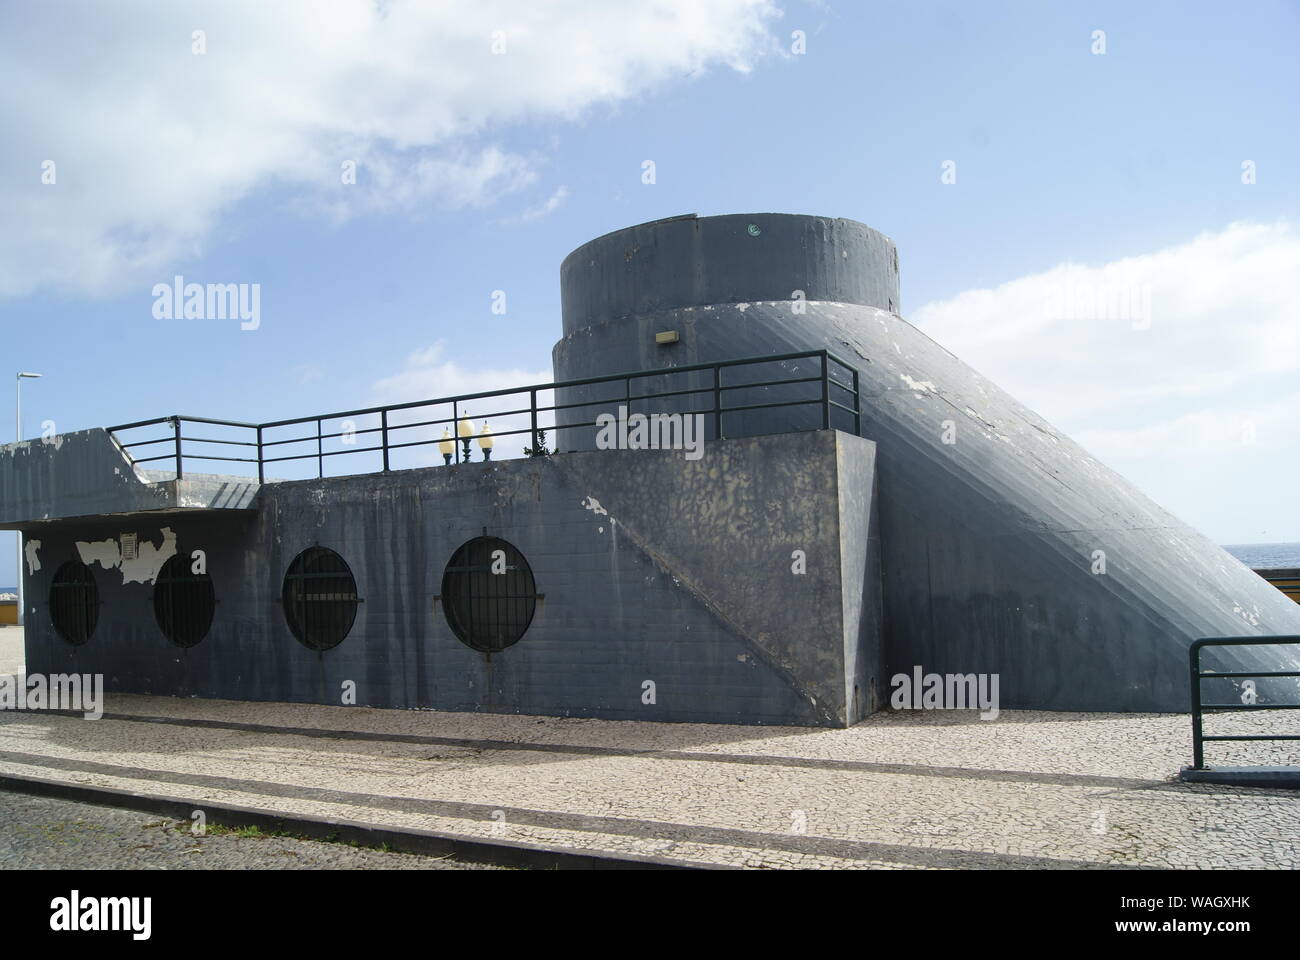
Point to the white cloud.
(305, 373)
(153, 143)
(1179, 368)
(550, 206)
(428, 374)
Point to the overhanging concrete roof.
(87, 474)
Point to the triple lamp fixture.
(465, 430)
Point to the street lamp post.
(465, 430)
(18, 416)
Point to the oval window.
(74, 602)
(183, 603)
(489, 594)
(320, 598)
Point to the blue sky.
(223, 167)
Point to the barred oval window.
(320, 598)
(183, 603)
(74, 602)
(489, 594)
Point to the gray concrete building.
(862, 504)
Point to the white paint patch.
(972, 412)
(33, 559)
(921, 385)
(1240, 611)
(149, 559)
(106, 553)
(144, 568)
(742, 307)
(592, 504)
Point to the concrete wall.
(973, 556)
(987, 543)
(86, 474)
(685, 261)
(652, 567)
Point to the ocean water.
(1265, 556)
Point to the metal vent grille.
(489, 594)
(74, 602)
(183, 603)
(130, 546)
(320, 598)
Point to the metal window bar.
(320, 596)
(184, 603)
(838, 380)
(74, 602)
(1199, 737)
(488, 611)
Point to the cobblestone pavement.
(38, 833)
(910, 790)
(11, 650)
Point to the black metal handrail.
(1199, 708)
(839, 381)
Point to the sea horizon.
(1265, 556)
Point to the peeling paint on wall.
(921, 385)
(106, 553)
(33, 560)
(149, 559)
(1251, 618)
(143, 568)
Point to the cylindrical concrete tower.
(691, 277)
(689, 261)
(1006, 548)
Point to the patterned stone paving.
(905, 790)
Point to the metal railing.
(1199, 737)
(177, 440)
(835, 392)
